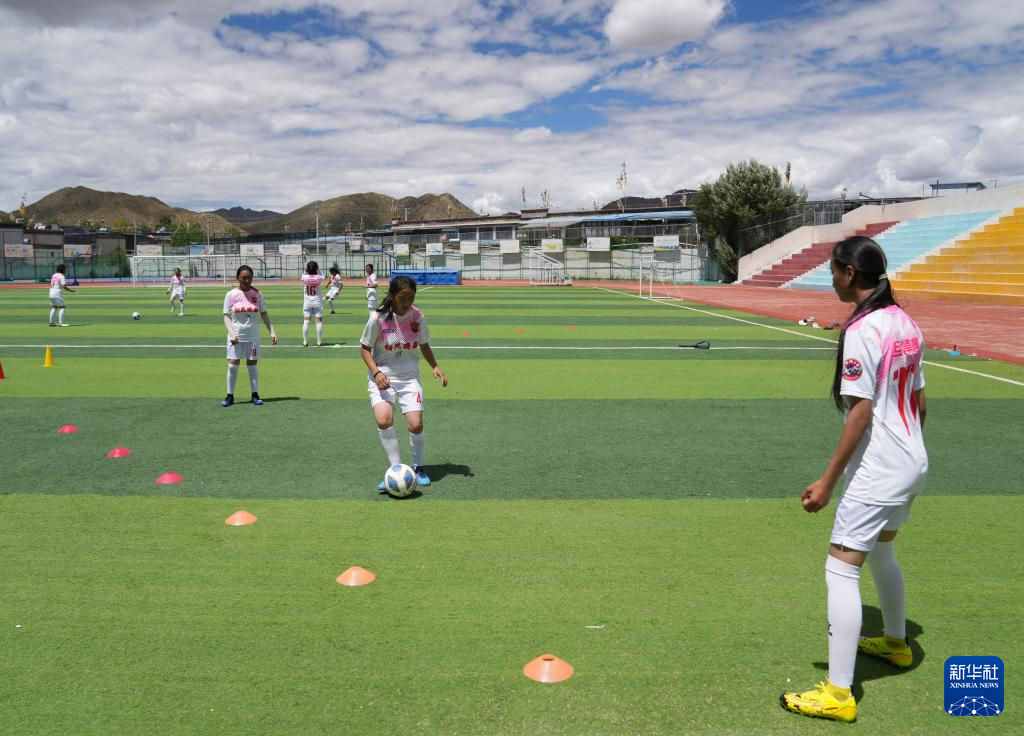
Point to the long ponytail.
(868, 261)
(387, 307)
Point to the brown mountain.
(362, 211)
(244, 214)
(72, 205)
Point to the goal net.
(195, 268)
(665, 271)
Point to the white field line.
(802, 334)
(440, 347)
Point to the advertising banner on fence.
(508, 246)
(401, 249)
(666, 242)
(251, 249)
(290, 249)
(435, 249)
(355, 243)
(335, 248)
(552, 245)
(470, 247)
(17, 250)
(149, 249)
(200, 250)
(76, 250)
(599, 245)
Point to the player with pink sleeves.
(312, 302)
(58, 285)
(395, 335)
(371, 287)
(177, 291)
(336, 286)
(243, 308)
(878, 384)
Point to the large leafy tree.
(188, 232)
(745, 190)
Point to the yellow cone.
(48, 360)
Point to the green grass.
(651, 493)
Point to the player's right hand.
(382, 382)
(234, 339)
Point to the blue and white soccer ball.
(136, 315)
(400, 481)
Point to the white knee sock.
(319, 331)
(53, 312)
(182, 303)
(844, 619)
(416, 440)
(389, 439)
(232, 377)
(888, 577)
(254, 377)
(305, 330)
(61, 317)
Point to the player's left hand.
(273, 338)
(440, 376)
(816, 496)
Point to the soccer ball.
(400, 481)
(136, 315)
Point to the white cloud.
(658, 24)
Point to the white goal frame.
(212, 269)
(546, 271)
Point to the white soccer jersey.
(177, 285)
(56, 284)
(395, 342)
(311, 295)
(371, 286)
(244, 308)
(883, 361)
(336, 281)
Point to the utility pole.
(318, 226)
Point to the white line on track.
(440, 347)
(670, 303)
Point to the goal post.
(212, 269)
(546, 271)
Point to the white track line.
(801, 334)
(440, 347)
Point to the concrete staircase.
(987, 267)
(805, 260)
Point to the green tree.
(745, 190)
(165, 222)
(121, 225)
(188, 232)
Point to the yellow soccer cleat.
(819, 703)
(879, 646)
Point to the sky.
(276, 103)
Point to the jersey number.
(311, 290)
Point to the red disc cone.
(240, 518)
(548, 668)
(120, 452)
(67, 429)
(2, 376)
(356, 576)
(170, 477)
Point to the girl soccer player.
(371, 287)
(58, 285)
(241, 305)
(879, 384)
(312, 302)
(389, 342)
(335, 288)
(177, 291)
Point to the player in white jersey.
(177, 291)
(879, 385)
(371, 287)
(58, 285)
(335, 288)
(312, 302)
(241, 307)
(394, 333)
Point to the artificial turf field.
(599, 494)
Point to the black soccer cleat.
(228, 401)
(256, 400)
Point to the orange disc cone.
(67, 429)
(48, 358)
(548, 668)
(356, 576)
(240, 518)
(2, 376)
(170, 477)
(120, 452)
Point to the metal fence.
(757, 231)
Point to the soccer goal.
(664, 271)
(546, 271)
(195, 268)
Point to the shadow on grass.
(280, 398)
(871, 668)
(437, 472)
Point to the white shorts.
(332, 292)
(244, 350)
(409, 393)
(315, 311)
(56, 301)
(371, 300)
(858, 524)
(177, 295)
